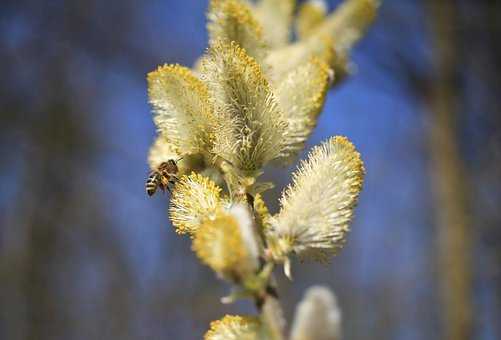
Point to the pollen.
(262, 211)
(195, 199)
(254, 124)
(233, 327)
(182, 110)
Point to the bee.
(165, 174)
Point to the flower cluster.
(254, 98)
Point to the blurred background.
(85, 254)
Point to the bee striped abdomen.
(152, 184)
(165, 174)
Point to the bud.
(317, 316)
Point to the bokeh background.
(85, 254)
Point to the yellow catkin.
(284, 60)
(348, 22)
(302, 96)
(233, 327)
(252, 135)
(194, 200)
(183, 72)
(238, 10)
(219, 244)
(276, 18)
(310, 15)
(232, 20)
(161, 151)
(182, 110)
(317, 208)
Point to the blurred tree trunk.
(449, 180)
(485, 58)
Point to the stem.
(271, 311)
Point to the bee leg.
(162, 187)
(168, 189)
